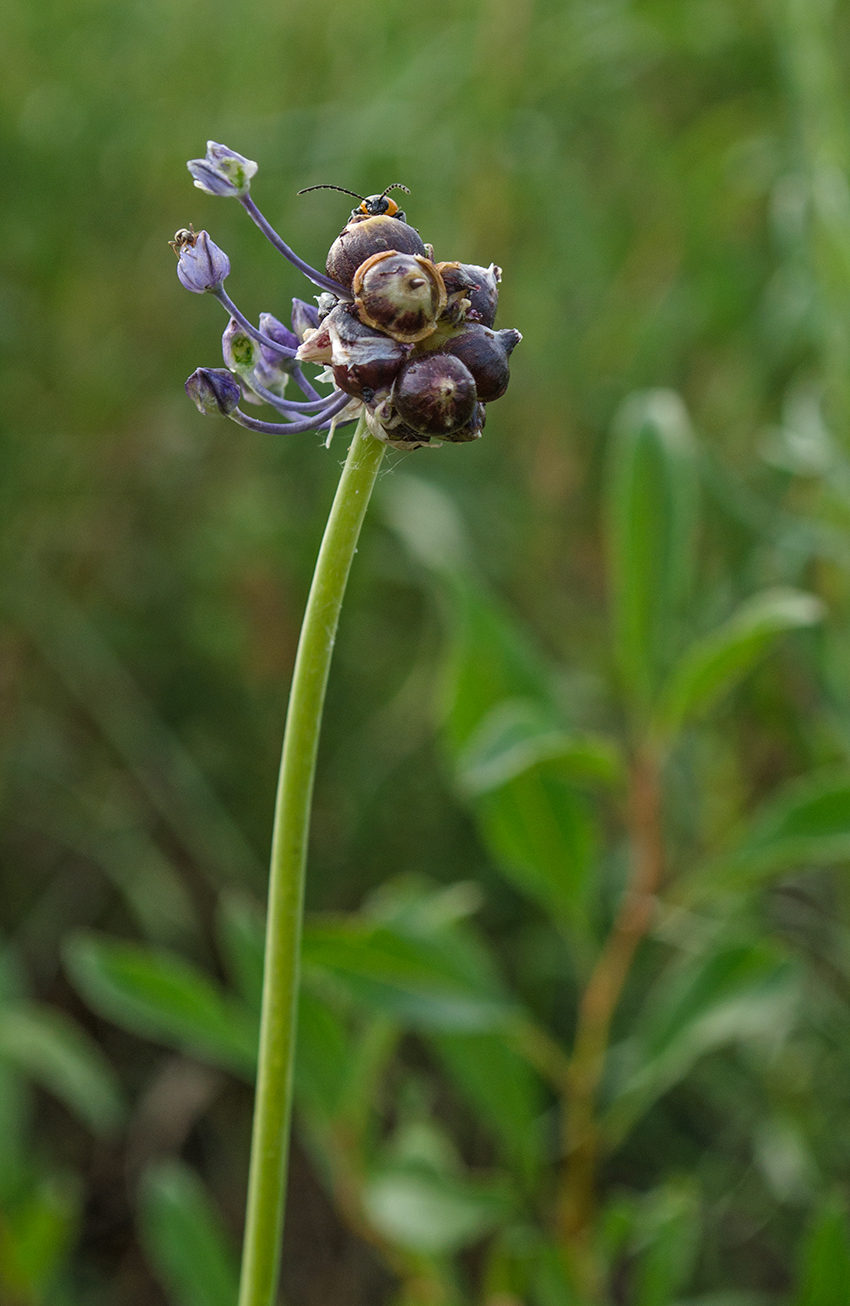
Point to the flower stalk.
(273, 1109)
(382, 298)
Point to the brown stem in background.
(341, 1149)
(577, 1203)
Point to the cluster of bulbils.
(408, 340)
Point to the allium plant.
(409, 349)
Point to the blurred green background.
(665, 185)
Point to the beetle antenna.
(341, 188)
(395, 186)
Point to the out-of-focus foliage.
(666, 184)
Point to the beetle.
(371, 206)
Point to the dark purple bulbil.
(485, 352)
(435, 394)
(416, 349)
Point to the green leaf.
(825, 1263)
(537, 827)
(14, 1115)
(161, 996)
(324, 1055)
(242, 939)
(491, 659)
(714, 664)
(428, 522)
(651, 517)
(52, 1049)
(516, 736)
(731, 1298)
(542, 835)
(185, 1238)
(430, 1213)
(806, 824)
(671, 1228)
(416, 981)
(502, 1090)
(736, 993)
(35, 1238)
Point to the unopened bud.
(223, 171)
(213, 391)
(401, 294)
(275, 330)
(435, 394)
(201, 265)
(305, 317)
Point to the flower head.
(408, 340)
(222, 171)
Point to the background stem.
(596, 1011)
(273, 1109)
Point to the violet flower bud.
(201, 265)
(275, 330)
(213, 391)
(272, 369)
(223, 171)
(305, 317)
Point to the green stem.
(273, 1107)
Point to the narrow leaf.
(416, 981)
(53, 1050)
(324, 1055)
(806, 823)
(651, 517)
(541, 833)
(159, 995)
(825, 1266)
(501, 1089)
(38, 1230)
(515, 737)
(666, 1262)
(242, 938)
(736, 993)
(185, 1238)
(429, 1213)
(714, 664)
